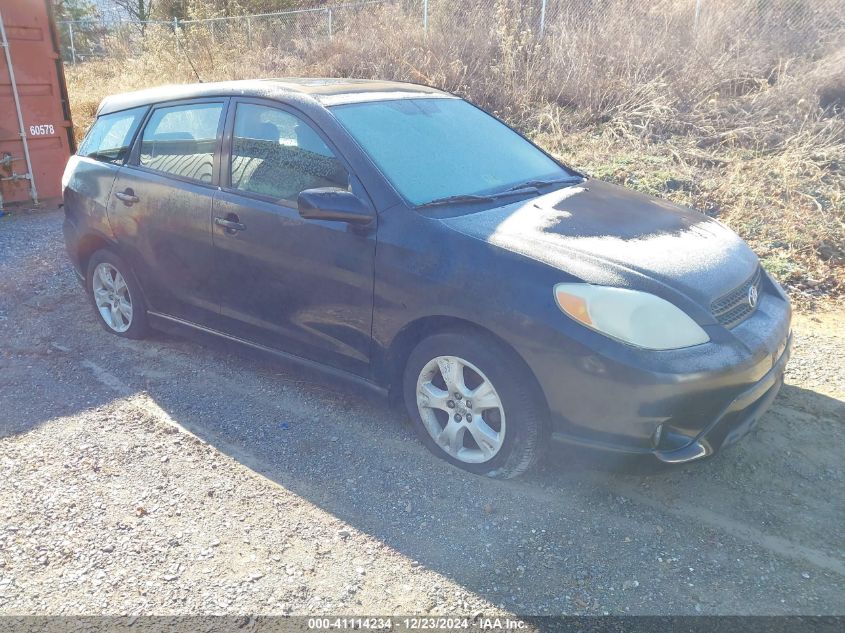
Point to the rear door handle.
(128, 196)
(230, 225)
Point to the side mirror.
(333, 204)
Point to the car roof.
(317, 91)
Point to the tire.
(508, 404)
(124, 291)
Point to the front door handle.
(128, 197)
(231, 223)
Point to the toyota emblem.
(752, 296)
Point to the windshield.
(436, 148)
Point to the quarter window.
(110, 137)
(181, 140)
(276, 154)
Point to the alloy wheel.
(461, 409)
(111, 295)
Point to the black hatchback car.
(403, 238)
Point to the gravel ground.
(170, 476)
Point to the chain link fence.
(118, 36)
(789, 25)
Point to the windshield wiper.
(513, 191)
(456, 199)
(542, 183)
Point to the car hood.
(609, 235)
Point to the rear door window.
(182, 140)
(277, 155)
(110, 138)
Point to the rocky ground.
(168, 476)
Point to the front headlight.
(633, 317)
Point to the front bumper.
(734, 422)
(676, 405)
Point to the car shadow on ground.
(354, 456)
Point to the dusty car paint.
(355, 299)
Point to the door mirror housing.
(333, 204)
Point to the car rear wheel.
(116, 295)
(473, 404)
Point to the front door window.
(277, 155)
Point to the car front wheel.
(473, 404)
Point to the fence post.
(72, 46)
(176, 34)
(249, 31)
(542, 18)
(329, 16)
(425, 16)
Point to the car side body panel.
(87, 189)
(300, 285)
(166, 238)
(162, 223)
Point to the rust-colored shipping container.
(36, 138)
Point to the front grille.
(733, 308)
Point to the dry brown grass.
(743, 126)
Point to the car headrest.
(260, 130)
